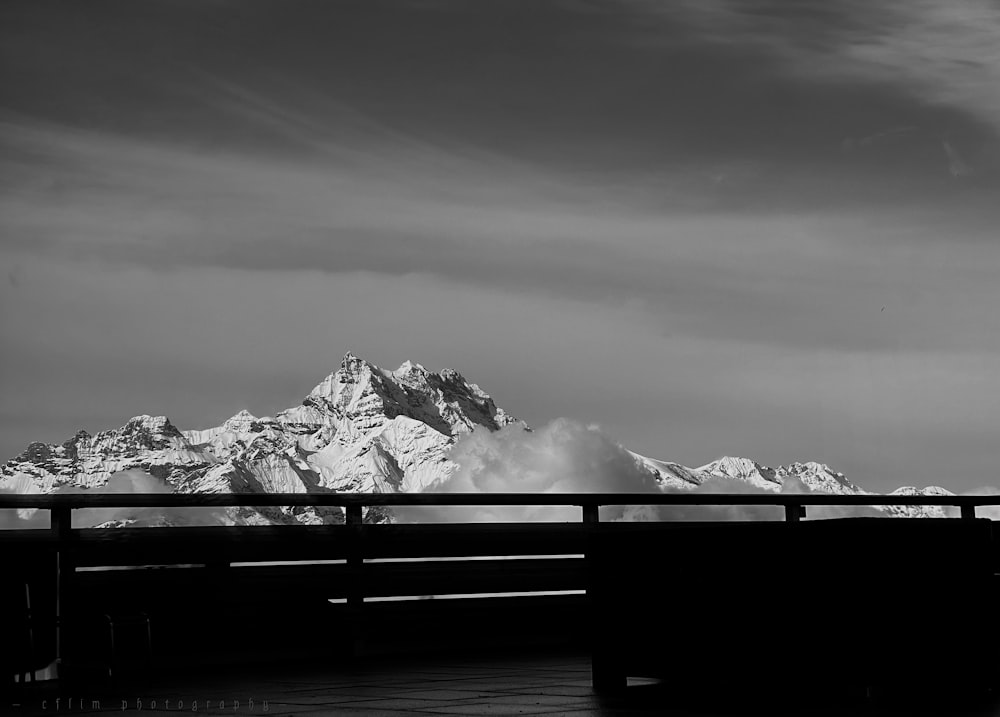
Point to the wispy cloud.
(945, 53)
(396, 207)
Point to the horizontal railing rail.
(794, 504)
(192, 500)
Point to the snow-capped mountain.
(146, 443)
(918, 511)
(794, 477)
(361, 429)
(812, 476)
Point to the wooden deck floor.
(549, 683)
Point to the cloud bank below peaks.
(566, 456)
(125, 482)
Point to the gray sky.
(712, 227)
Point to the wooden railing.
(795, 504)
(355, 562)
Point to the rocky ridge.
(361, 429)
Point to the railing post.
(353, 518)
(355, 555)
(604, 677)
(794, 512)
(353, 513)
(61, 524)
(968, 511)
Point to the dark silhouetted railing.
(260, 569)
(794, 503)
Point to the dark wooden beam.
(353, 500)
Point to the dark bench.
(852, 602)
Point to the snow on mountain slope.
(361, 429)
(149, 443)
(672, 476)
(819, 477)
(918, 511)
(815, 477)
(743, 469)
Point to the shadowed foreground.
(502, 682)
(731, 618)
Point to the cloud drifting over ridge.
(566, 456)
(563, 456)
(130, 482)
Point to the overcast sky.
(765, 229)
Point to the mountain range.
(362, 429)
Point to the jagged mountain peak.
(408, 368)
(150, 432)
(811, 466)
(240, 421)
(244, 414)
(359, 390)
(352, 369)
(929, 490)
(914, 511)
(352, 365)
(361, 429)
(151, 424)
(452, 376)
(811, 474)
(737, 467)
(736, 462)
(151, 444)
(819, 477)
